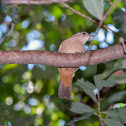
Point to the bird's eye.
(83, 33)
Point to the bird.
(74, 44)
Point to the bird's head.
(83, 36)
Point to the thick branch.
(35, 2)
(61, 59)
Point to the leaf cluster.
(101, 81)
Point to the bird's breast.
(71, 47)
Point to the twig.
(8, 34)
(85, 16)
(106, 15)
(110, 107)
(122, 41)
(110, 2)
(35, 2)
(77, 12)
(97, 114)
(99, 110)
(102, 20)
(89, 48)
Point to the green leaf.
(3, 6)
(119, 19)
(122, 114)
(99, 82)
(13, 14)
(117, 114)
(113, 114)
(112, 122)
(88, 88)
(116, 97)
(115, 80)
(90, 71)
(94, 7)
(120, 64)
(80, 108)
(109, 83)
(85, 116)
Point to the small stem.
(77, 12)
(123, 44)
(85, 16)
(99, 110)
(106, 15)
(96, 114)
(91, 43)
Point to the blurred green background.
(28, 93)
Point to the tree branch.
(62, 59)
(35, 2)
(77, 12)
(106, 15)
(102, 20)
(85, 16)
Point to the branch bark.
(35, 2)
(62, 59)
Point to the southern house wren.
(74, 44)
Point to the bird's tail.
(64, 91)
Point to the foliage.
(89, 89)
(29, 95)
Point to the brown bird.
(74, 44)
